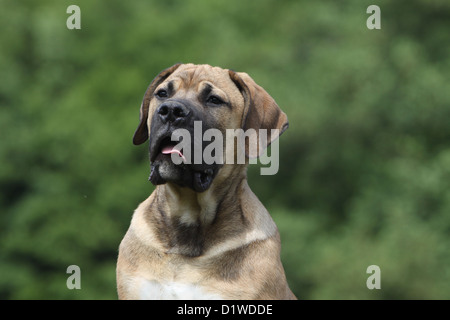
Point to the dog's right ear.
(260, 112)
(141, 134)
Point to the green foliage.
(364, 167)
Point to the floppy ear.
(141, 134)
(260, 112)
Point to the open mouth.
(197, 176)
(168, 147)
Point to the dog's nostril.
(172, 112)
(178, 112)
(163, 110)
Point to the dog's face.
(186, 95)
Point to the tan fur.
(222, 241)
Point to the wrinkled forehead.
(196, 77)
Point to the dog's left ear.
(141, 134)
(260, 112)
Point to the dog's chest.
(154, 290)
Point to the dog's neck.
(192, 218)
(189, 207)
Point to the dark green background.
(364, 168)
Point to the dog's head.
(192, 99)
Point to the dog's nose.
(172, 111)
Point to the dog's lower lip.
(203, 179)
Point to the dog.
(202, 233)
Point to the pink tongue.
(170, 149)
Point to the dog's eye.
(161, 93)
(214, 100)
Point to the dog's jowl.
(202, 233)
